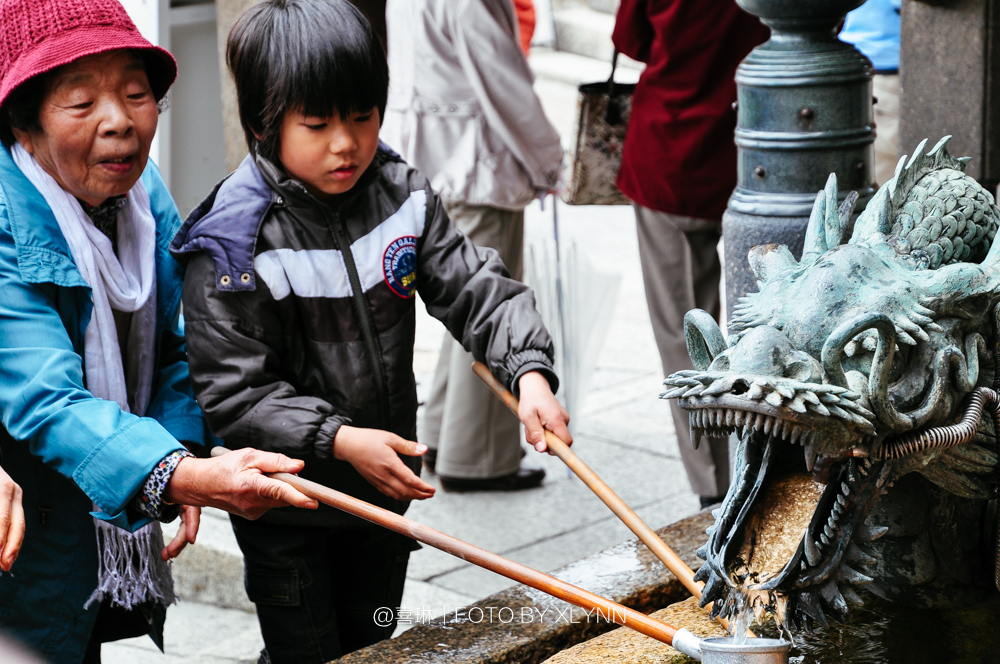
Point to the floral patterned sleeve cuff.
(149, 501)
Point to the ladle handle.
(645, 534)
(609, 610)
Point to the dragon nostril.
(740, 386)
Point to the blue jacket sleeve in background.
(874, 29)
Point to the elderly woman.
(94, 391)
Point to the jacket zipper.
(365, 317)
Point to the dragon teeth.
(812, 551)
(856, 555)
(852, 575)
(852, 597)
(845, 489)
(810, 456)
(831, 595)
(868, 533)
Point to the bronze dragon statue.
(859, 381)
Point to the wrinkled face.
(826, 367)
(328, 155)
(97, 122)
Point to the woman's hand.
(372, 452)
(11, 521)
(539, 409)
(235, 482)
(190, 520)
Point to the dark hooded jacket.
(300, 318)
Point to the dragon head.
(835, 358)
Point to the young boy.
(302, 268)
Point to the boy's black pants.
(317, 589)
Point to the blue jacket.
(65, 447)
(874, 29)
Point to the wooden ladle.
(609, 610)
(645, 534)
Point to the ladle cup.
(724, 650)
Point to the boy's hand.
(372, 452)
(539, 410)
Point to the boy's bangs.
(335, 80)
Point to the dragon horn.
(824, 208)
(703, 337)
(835, 231)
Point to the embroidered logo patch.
(399, 265)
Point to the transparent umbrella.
(576, 300)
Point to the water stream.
(740, 624)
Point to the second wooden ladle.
(645, 534)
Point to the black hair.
(22, 108)
(318, 57)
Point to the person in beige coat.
(462, 109)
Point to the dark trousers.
(317, 589)
(115, 623)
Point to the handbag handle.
(613, 116)
(611, 79)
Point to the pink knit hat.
(37, 36)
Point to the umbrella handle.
(645, 534)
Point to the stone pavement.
(625, 435)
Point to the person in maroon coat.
(678, 168)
